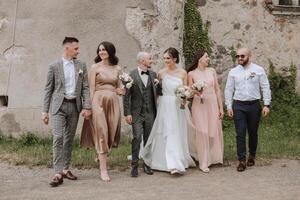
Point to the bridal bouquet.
(126, 80)
(183, 92)
(199, 86)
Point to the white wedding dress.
(167, 146)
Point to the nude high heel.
(103, 167)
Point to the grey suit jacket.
(55, 87)
(133, 99)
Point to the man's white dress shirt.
(144, 77)
(69, 72)
(247, 84)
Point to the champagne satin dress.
(102, 130)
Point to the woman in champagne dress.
(207, 112)
(102, 131)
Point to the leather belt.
(70, 100)
(247, 102)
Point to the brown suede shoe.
(69, 176)
(56, 181)
(241, 167)
(251, 161)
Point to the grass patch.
(31, 150)
(273, 141)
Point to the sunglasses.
(242, 56)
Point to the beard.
(244, 62)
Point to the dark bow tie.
(145, 72)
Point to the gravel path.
(271, 180)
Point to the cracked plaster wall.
(132, 25)
(249, 23)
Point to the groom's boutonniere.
(80, 71)
(252, 75)
(156, 81)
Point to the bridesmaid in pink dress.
(207, 113)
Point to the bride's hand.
(183, 102)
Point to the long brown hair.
(111, 50)
(197, 56)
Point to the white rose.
(129, 85)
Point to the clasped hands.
(120, 91)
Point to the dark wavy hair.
(173, 53)
(111, 50)
(197, 56)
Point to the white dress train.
(167, 146)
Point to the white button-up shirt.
(69, 73)
(246, 84)
(144, 77)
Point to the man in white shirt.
(67, 91)
(245, 84)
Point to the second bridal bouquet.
(199, 86)
(183, 92)
(126, 80)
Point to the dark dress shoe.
(56, 181)
(134, 172)
(241, 167)
(147, 169)
(69, 176)
(250, 161)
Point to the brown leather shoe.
(241, 167)
(251, 161)
(56, 181)
(69, 176)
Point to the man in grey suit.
(67, 91)
(140, 107)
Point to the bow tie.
(145, 72)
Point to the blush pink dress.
(205, 116)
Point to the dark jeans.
(246, 118)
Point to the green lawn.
(275, 141)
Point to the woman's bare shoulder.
(182, 72)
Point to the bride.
(167, 146)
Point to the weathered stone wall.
(236, 23)
(31, 32)
(157, 25)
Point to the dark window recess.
(3, 101)
(285, 2)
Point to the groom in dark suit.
(140, 107)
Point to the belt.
(247, 102)
(70, 100)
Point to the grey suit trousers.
(141, 129)
(64, 124)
